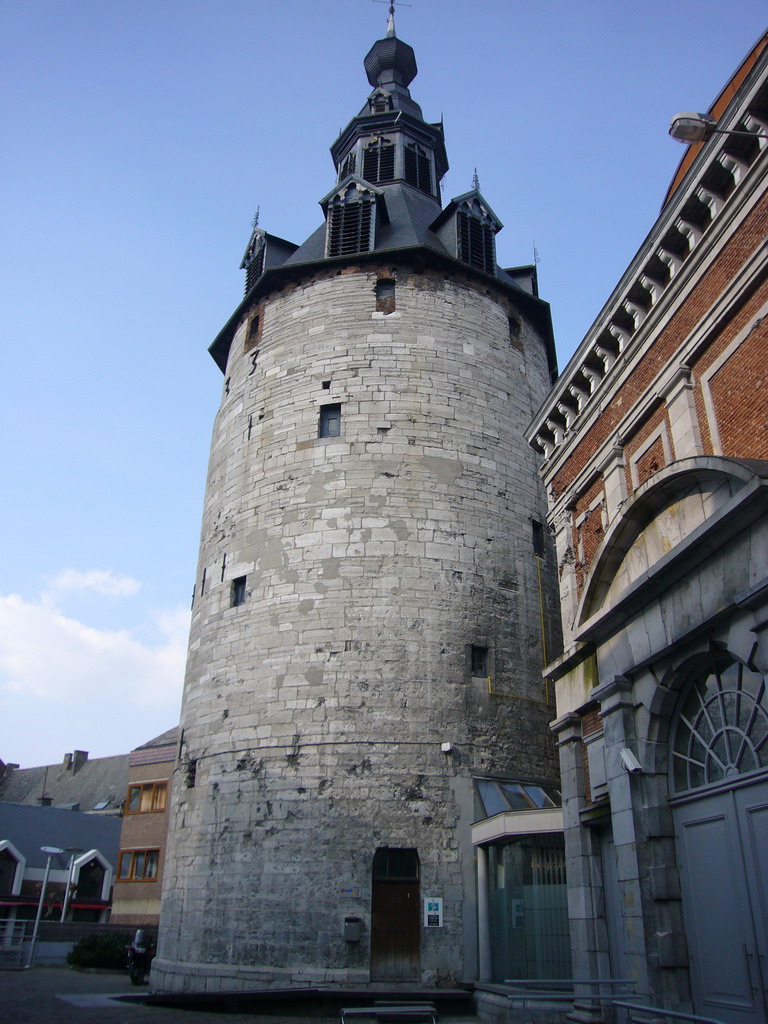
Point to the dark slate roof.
(29, 828)
(410, 213)
(163, 740)
(103, 779)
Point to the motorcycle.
(141, 953)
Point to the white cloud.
(98, 581)
(64, 684)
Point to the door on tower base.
(395, 918)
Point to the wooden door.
(395, 931)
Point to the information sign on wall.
(433, 912)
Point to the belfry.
(374, 591)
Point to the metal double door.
(723, 854)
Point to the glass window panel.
(528, 909)
(150, 868)
(538, 796)
(158, 797)
(515, 795)
(138, 863)
(721, 725)
(134, 798)
(124, 865)
(493, 801)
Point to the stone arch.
(672, 683)
(664, 512)
(719, 730)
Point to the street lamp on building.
(51, 851)
(691, 128)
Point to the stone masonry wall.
(315, 710)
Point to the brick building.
(364, 672)
(655, 445)
(141, 859)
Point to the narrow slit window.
(330, 420)
(537, 531)
(253, 334)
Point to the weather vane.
(392, 4)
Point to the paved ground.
(59, 995)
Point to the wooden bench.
(392, 1011)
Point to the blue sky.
(139, 139)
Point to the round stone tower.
(373, 591)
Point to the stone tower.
(371, 600)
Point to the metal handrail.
(569, 990)
(657, 1012)
(15, 949)
(569, 981)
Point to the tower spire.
(391, 23)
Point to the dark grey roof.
(29, 828)
(453, 205)
(85, 782)
(165, 739)
(390, 60)
(409, 212)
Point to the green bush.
(105, 950)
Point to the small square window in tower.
(239, 590)
(478, 661)
(385, 295)
(330, 420)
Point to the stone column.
(614, 481)
(683, 419)
(617, 709)
(485, 972)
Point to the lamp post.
(72, 851)
(52, 851)
(690, 128)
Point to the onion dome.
(390, 60)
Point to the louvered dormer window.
(476, 243)
(254, 262)
(350, 223)
(379, 162)
(380, 103)
(418, 170)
